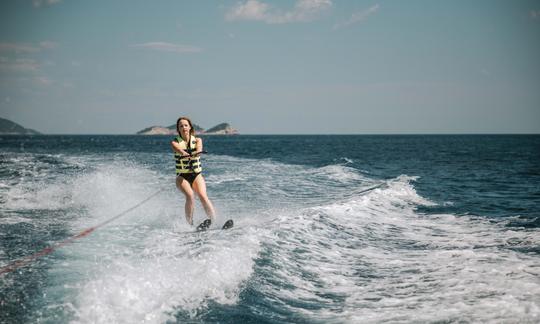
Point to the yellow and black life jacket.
(187, 164)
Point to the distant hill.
(7, 127)
(156, 130)
(196, 127)
(221, 129)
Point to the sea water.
(328, 229)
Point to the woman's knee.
(203, 197)
(190, 196)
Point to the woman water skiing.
(187, 149)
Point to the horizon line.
(273, 134)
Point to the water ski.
(228, 224)
(205, 225)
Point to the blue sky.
(272, 67)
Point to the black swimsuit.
(190, 177)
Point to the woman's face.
(184, 126)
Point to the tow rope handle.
(195, 154)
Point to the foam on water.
(44, 182)
(148, 265)
(327, 244)
(168, 273)
(267, 184)
(373, 258)
(151, 271)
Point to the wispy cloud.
(168, 47)
(26, 47)
(358, 17)
(20, 58)
(41, 3)
(18, 48)
(250, 10)
(44, 81)
(48, 45)
(304, 10)
(535, 14)
(21, 65)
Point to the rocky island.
(7, 127)
(221, 129)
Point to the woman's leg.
(184, 186)
(199, 186)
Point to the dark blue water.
(328, 229)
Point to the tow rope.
(48, 250)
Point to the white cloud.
(535, 14)
(40, 3)
(44, 81)
(18, 47)
(251, 10)
(358, 17)
(27, 47)
(168, 47)
(23, 65)
(48, 44)
(304, 10)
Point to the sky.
(272, 67)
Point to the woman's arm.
(176, 147)
(198, 146)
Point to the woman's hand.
(176, 147)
